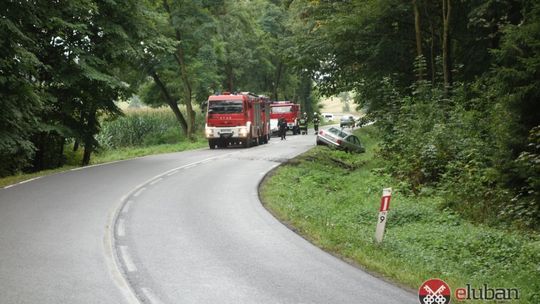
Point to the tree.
(20, 95)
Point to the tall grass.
(142, 128)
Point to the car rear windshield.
(338, 132)
(285, 109)
(225, 106)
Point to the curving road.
(177, 228)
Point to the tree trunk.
(89, 137)
(170, 101)
(418, 35)
(432, 53)
(230, 78)
(447, 68)
(60, 159)
(432, 43)
(184, 75)
(417, 29)
(278, 79)
(40, 152)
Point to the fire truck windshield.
(225, 106)
(285, 109)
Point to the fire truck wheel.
(247, 142)
(212, 143)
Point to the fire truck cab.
(288, 111)
(237, 119)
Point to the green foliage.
(336, 206)
(524, 207)
(20, 96)
(464, 139)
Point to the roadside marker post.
(381, 221)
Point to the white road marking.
(121, 228)
(113, 262)
(139, 192)
(149, 294)
(8, 186)
(156, 181)
(29, 180)
(126, 206)
(122, 254)
(128, 262)
(172, 173)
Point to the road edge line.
(306, 237)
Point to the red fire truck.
(237, 119)
(288, 111)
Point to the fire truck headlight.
(208, 132)
(242, 132)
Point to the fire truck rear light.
(339, 141)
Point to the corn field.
(144, 127)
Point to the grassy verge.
(74, 158)
(126, 153)
(332, 199)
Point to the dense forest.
(453, 85)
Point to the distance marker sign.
(381, 222)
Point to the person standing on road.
(316, 122)
(282, 128)
(303, 124)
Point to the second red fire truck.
(242, 118)
(288, 111)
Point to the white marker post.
(381, 221)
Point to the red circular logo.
(434, 291)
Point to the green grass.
(74, 158)
(131, 152)
(10, 180)
(334, 203)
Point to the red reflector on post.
(385, 203)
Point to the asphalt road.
(177, 228)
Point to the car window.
(334, 131)
(338, 132)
